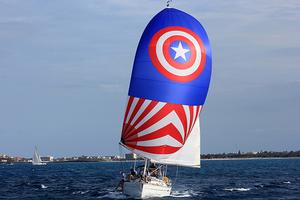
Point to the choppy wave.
(237, 189)
(183, 193)
(88, 181)
(80, 192)
(259, 185)
(43, 186)
(113, 195)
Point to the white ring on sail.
(164, 62)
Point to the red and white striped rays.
(157, 127)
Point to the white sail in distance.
(36, 159)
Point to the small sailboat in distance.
(168, 88)
(36, 159)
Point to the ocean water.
(217, 179)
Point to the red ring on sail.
(166, 66)
(171, 61)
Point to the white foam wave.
(80, 192)
(237, 189)
(287, 182)
(43, 186)
(261, 185)
(182, 194)
(113, 195)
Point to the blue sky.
(65, 69)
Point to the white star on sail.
(180, 51)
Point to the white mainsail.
(36, 159)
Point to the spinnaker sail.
(168, 87)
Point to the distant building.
(107, 157)
(47, 158)
(74, 158)
(118, 157)
(17, 159)
(130, 156)
(3, 155)
(3, 158)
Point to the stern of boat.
(141, 190)
(133, 189)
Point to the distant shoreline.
(253, 158)
(131, 157)
(205, 159)
(128, 161)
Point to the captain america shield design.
(178, 53)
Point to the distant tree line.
(261, 154)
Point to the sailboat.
(169, 84)
(36, 159)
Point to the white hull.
(141, 190)
(39, 163)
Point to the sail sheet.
(36, 157)
(168, 87)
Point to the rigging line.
(175, 175)
(121, 155)
(158, 168)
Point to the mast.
(145, 167)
